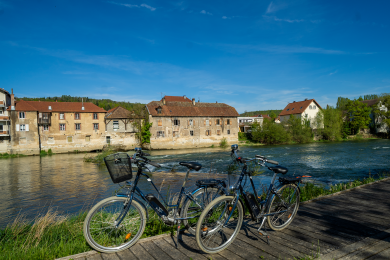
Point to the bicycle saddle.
(192, 165)
(278, 169)
(210, 182)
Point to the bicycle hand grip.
(155, 164)
(145, 154)
(273, 162)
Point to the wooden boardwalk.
(351, 225)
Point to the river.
(31, 185)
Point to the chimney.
(184, 96)
(163, 100)
(293, 101)
(12, 99)
(82, 103)
(305, 99)
(216, 101)
(193, 101)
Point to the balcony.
(4, 118)
(44, 119)
(2, 104)
(4, 133)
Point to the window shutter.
(225, 122)
(210, 122)
(27, 128)
(17, 127)
(178, 122)
(188, 122)
(205, 122)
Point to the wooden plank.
(384, 255)
(189, 251)
(95, 257)
(126, 254)
(169, 249)
(140, 252)
(155, 251)
(251, 249)
(112, 256)
(370, 251)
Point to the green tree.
(329, 123)
(382, 111)
(341, 103)
(358, 115)
(299, 129)
(270, 133)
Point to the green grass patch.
(99, 159)
(223, 143)
(7, 155)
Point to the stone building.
(59, 126)
(306, 109)
(178, 122)
(120, 131)
(5, 102)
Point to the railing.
(44, 119)
(4, 118)
(2, 133)
(2, 104)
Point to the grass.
(223, 143)
(99, 159)
(7, 155)
(52, 235)
(44, 153)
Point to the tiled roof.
(119, 112)
(188, 109)
(370, 102)
(43, 106)
(297, 107)
(4, 91)
(177, 99)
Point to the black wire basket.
(119, 167)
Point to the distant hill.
(263, 112)
(106, 104)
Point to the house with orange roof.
(179, 122)
(306, 109)
(59, 126)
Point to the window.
(22, 115)
(228, 121)
(50, 140)
(1, 111)
(310, 107)
(87, 138)
(62, 116)
(108, 139)
(191, 133)
(159, 110)
(69, 139)
(22, 127)
(95, 116)
(217, 122)
(1, 128)
(228, 132)
(115, 125)
(76, 116)
(45, 127)
(218, 132)
(160, 122)
(96, 126)
(208, 132)
(160, 134)
(191, 122)
(207, 122)
(314, 107)
(301, 108)
(289, 109)
(176, 122)
(77, 126)
(292, 109)
(62, 127)
(175, 133)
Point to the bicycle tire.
(99, 225)
(209, 219)
(282, 220)
(189, 208)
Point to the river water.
(31, 185)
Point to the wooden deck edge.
(343, 191)
(348, 249)
(94, 252)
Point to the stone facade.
(185, 124)
(5, 101)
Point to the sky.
(252, 55)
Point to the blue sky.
(252, 55)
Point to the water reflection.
(30, 185)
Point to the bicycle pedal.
(263, 233)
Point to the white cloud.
(228, 17)
(273, 7)
(283, 20)
(204, 12)
(134, 6)
(224, 17)
(330, 74)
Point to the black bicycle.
(221, 220)
(116, 223)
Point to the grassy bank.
(99, 158)
(52, 236)
(7, 155)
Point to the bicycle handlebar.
(266, 160)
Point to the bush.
(330, 125)
(270, 133)
(242, 136)
(223, 143)
(300, 132)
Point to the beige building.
(5, 102)
(306, 109)
(59, 126)
(179, 122)
(120, 131)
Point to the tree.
(382, 111)
(299, 129)
(341, 103)
(329, 123)
(269, 133)
(358, 114)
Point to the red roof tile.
(176, 99)
(120, 112)
(370, 102)
(43, 106)
(297, 107)
(188, 109)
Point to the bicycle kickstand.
(177, 235)
(263, 233)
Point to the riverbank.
(52, 235)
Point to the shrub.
(223, 143)
(270, 133)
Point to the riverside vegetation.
(52, 235)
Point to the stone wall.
(179, 132)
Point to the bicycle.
(221, 220)
(116, 223)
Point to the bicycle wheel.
(215, 230)
(99, 225)
(287, 202)
(192, 210)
